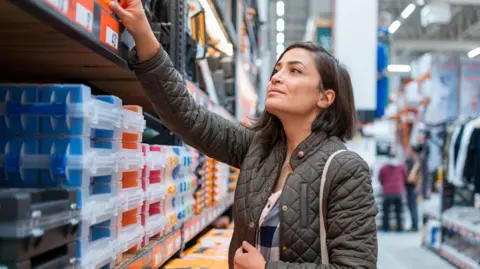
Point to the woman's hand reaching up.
(132, 16)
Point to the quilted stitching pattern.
(349, 205)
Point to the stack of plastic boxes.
(233, 178)
(200, 173)
(54, 135)
(154, 219)
(181, 183)
(130, 231)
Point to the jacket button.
(251, 225)
(284, 208)
(300, 154)
(284, 248)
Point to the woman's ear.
(326, 99)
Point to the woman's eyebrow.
(290, 63)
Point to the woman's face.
(294, 87)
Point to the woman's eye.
(294, 70)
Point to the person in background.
(393, 176)
(412, 186)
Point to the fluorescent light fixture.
(280, 48)
(280, 25)
(474, 53)
(215, 30)
(394, 26)
(280, 8)
(408, 11)
(420, 2)
(401, 68)
(280, 38)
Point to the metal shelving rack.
(57, 41)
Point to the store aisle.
(403, 251)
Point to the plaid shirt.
(268, 239)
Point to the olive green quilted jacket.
(349, 206)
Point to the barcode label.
(61, 4)
(84, 17)
(112, 37)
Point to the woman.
(309, 113)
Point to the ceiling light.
(280, 48)
(474, 53)
(280, 25)
(408, 11)
(399, 68)
(280, 8)
(280, 38)
(394, 26)
(420, 2)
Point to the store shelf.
(198, 223)
(222, 17)
(159, 252)
(71, 41)
(457, 258)
(462, 226)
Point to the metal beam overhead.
(434, 45)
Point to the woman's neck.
(296, 131)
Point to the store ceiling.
(460, 34)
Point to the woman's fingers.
(121, 13)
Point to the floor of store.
(403, 251)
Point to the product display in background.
(442, 91)
(469, 92)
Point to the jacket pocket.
(303, 205)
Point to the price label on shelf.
(109, 31)
(198, 226)
(111, 37)
(61, 5)
(84, 17)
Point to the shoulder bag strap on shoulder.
(323, 233)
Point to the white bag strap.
(323, 233)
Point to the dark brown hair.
(340, 118)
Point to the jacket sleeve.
(202, 129)
(351, 210)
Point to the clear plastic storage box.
(59, 110)
(49, 162)
(133, 124)
(131, 195)
(96, 254)
(130, 237)
(155, 160)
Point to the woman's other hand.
(251, 259)
(132, 16)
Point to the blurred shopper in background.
(393, 176)
(413, 186)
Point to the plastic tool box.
(62, 257)
(97, 242)
(155, 160)
(52, 162)
(133, 124)
(59, 110)
(35, 221)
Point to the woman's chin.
(272, 105)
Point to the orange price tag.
(158, 255)
(109, 30)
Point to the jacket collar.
(307, 148)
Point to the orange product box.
(219, 264)
(221, 233)
(190, 263)
(206, 252)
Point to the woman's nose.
(277, 78)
